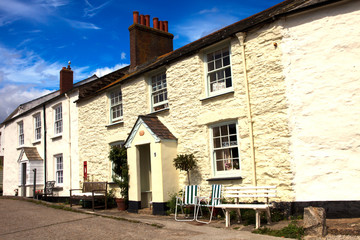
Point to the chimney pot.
(142, 19)
(161, 26)
(166, 26)
(147, 20)
(136, 16)
(156, 23)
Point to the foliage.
(120, 167)
(171, 204)
(185, 162)
(291, 231)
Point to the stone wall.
(191, 113)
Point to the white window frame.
(158, 88)
(226, 172)
(216, 71)
(115, 144)
(37, 127)
(59, 169)
(115, 102)
(58, 120)
(21, 134)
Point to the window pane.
(224, 130)
(210, 57)
(226, 61)
(232, 129)
(216, 131)
(217, 54)
(218, 63)
(210, 66)
(225, 141)
(217, 143)
(236, 164)
(219, 166)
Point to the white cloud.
(80, 25)
(212, 10)
(91, 11)
(123, 56)
(39, 11)
(106, 70)
(200, 26)
(13, 95)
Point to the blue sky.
(39, 37)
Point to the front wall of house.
(55, 146)
(191, 114)
(322, 68)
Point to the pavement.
(32, 219)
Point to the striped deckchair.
(188, 198)
(210, 203)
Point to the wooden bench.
(248, 194)
(90, 191)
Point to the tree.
(121, 169)
(185, 162)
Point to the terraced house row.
(270, 100)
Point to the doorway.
(145, 175)
(23, 179)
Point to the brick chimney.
(148, 42)
(66, 79)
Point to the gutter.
(68, 98)
(45, 146)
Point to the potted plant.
(118, 157)
(185, 162)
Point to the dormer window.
(159, 98)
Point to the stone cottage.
(269, 100)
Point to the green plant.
(185, 162)
(171, 204)
(290, 231)
(121, 169)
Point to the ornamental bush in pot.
(118, 157)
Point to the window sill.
(20, 147)
(231, 91)
(114, 123)
(56, 137)
(159, 111)
(223, 179)
(36, 142)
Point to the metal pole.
(34, 170)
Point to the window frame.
(21, 134)
(159, 92)
(58, 122)
(224, 173)
(213, 50)
(59, 170)
(37, 127)
(119, 103)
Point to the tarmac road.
(27, 220)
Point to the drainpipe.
(45, 170)
(68, 98)
(241, 37)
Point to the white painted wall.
(65, 144)
(322, 68)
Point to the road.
(27, 220)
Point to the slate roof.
(157, 127)
(269, 15)
(31, 153)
